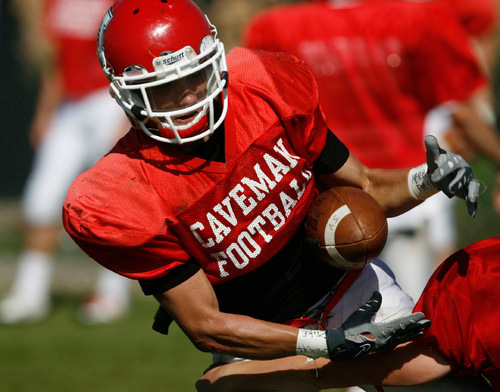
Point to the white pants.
(395, 303)
(418, 241)
(80, 133)
(375, 277)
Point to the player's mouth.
(186, 118)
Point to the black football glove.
(359, 335)
(451, 174)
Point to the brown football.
(346, 227)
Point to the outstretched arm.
(397, 191)
(410, 364)
(193, 305)
(388, 187)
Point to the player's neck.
(211, 148)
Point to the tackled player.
(203, 126)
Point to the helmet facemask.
(156, 100)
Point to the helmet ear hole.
(136, 111)
(225, 76)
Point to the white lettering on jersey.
(275, 217)
(256, 227)
(218, 228)
(288, 203)
(220, 258)
(276, 167)
(280, 148)
(199, 226)
(263, 183)
(242, 199)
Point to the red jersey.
(381, 65)
(462, 299)
(146, 207)
(72, 26)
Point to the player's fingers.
(406, 332)
(461, 180)
(373, 304)
(365, 313)
(411, 322)
(432, 148)
(473, 191)
(471, 199)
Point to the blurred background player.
(480, 19)
(74, 124)
(381, 66)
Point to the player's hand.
(451, 174)
(359, 335)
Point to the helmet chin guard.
(174, 91)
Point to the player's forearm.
(390, 189)
(408, 365)
(243, 336)
(292, 373)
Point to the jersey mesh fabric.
(137, 211)
(376, 79)
(462, 300)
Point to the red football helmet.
(166, 66)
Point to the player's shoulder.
(244, 61)
(117, 187)
(270, 74)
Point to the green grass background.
(59, 354)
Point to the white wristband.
(420, 186)
(312, 343)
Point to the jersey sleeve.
(118, 219)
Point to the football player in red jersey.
(461, 299)
(60, 42)
(203, 200)
(378, 81)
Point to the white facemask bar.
(121, 88)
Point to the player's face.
(179, 94)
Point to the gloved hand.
(451, 174)
(359, 335)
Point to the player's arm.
(388, 187)
(397, 191)
(475, 118)
(193, 305)
(412, 364)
